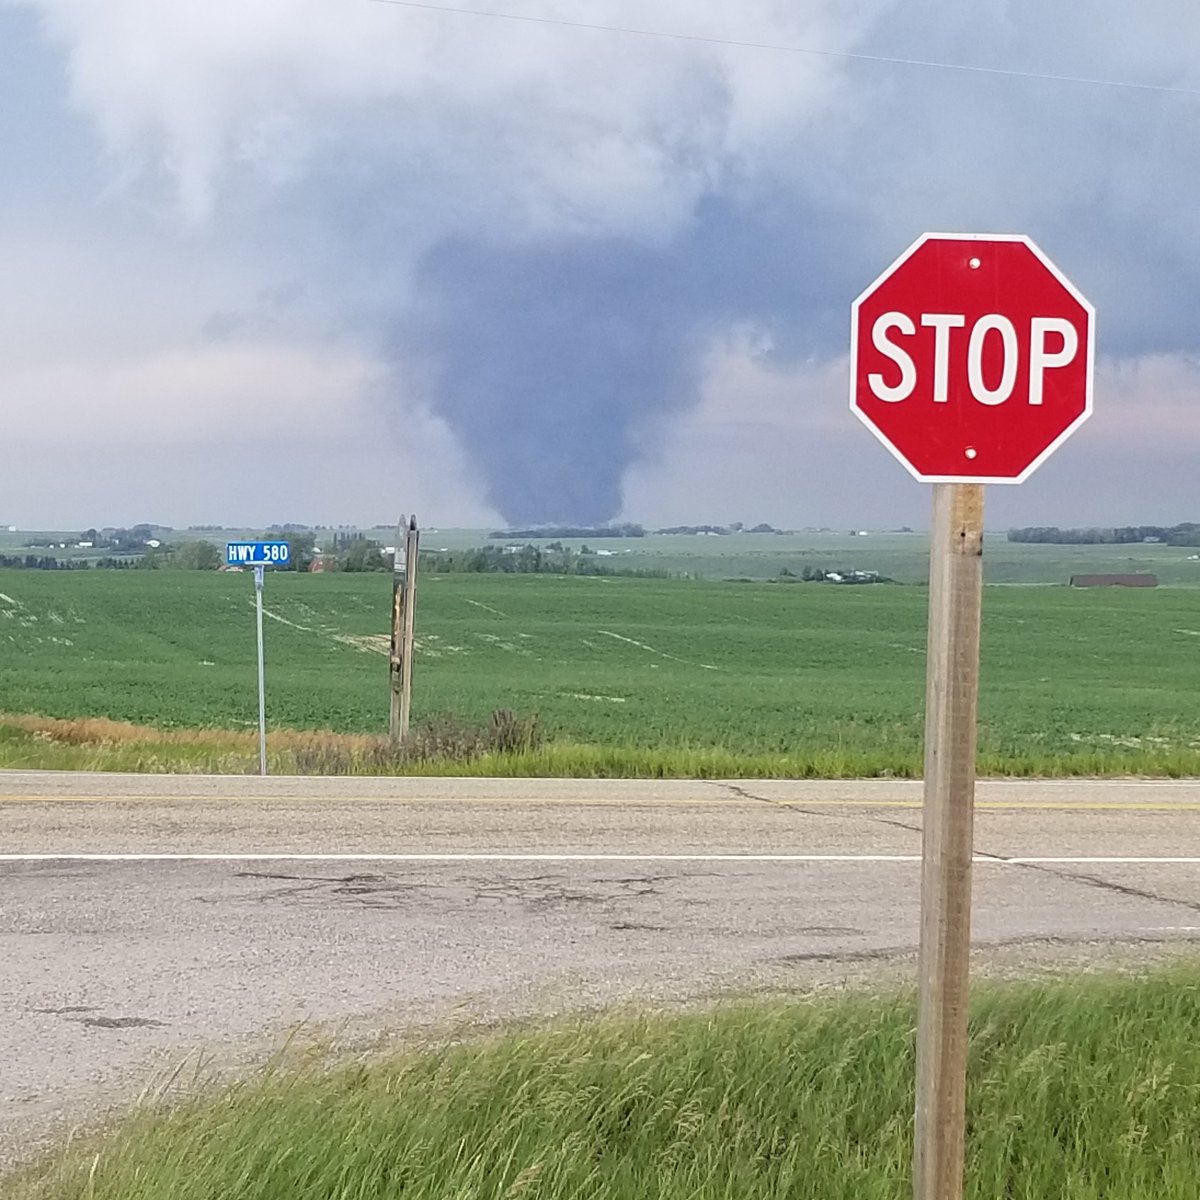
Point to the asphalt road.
(148, 918)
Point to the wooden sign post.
(412, 545)
(404, 599)
(971, 359)
(951, 692)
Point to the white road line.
(260, 856)
(1101, 859)
(456, 858)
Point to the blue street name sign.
(257, 554)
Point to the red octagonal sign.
(971, 358)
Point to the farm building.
(1114, 581)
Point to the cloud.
(466, 183)
(230, 431)
(213, 393)
(1149, 402)
(536, 236)
(755, 447)
(776, 441)
(571, 130)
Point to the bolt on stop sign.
(971, 358)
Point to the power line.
(783, 49)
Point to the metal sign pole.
(259, 555)
(259, 571)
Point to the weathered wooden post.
(396, 660)
(951, 692)
(404, 592)
(412, 554)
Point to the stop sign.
(971, 358)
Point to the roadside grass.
(1079, 1090)
(448, 746)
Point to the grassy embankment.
(1078, 1090)
(627, 677)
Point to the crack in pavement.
(1080, 877)
(1088, 880)
(895, 824)
(533, 893)
(895, 953)
(744, 794)
(826, 813)
(1096, 881)
(120, 1022)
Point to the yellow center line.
(1149, 805)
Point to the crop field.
(652, 676)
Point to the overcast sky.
(330, 260)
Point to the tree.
(365, 555)
(154, 558)
(198, 556)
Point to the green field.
(1079, 1091)
(779, 679)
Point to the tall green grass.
(294, 752)
(1078, 1090)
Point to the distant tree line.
(48, 562)
(571, 531)
(43, 562)
(846, 575)
(362, 554)
(1186, 534)
(199, 554)
(122, 541)
(350, 552)
(721, 530)
(188, 556)
(626, 530)
(555, 559)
